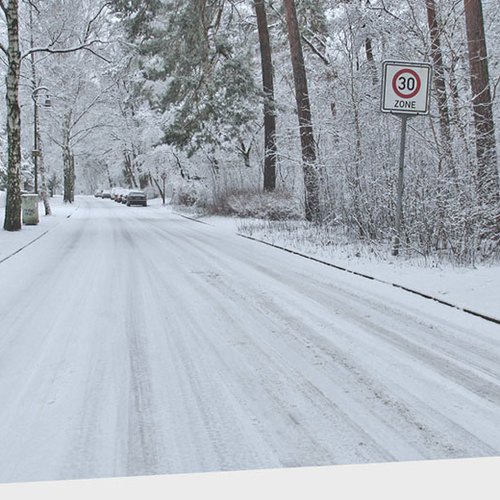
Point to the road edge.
(378, 280)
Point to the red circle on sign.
(417, 86)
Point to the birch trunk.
(68, 162)
(12, 220)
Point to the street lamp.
(36, 152)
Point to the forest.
(264, 109)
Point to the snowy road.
(134, 341)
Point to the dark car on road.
(136, 198)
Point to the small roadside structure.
(30, 209)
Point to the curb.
(27, 245)
(192, 218)
(366, 276)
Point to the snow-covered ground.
(134, 341)
(475, 288)
(11, 242)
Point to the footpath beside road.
(13, 242)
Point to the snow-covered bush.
(278, 205)
(186, 196)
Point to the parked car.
(136, 198)
(98, 193)
(106, 194)
(122, 196)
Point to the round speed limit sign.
(405, 87)
(406, 83)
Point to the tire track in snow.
(219, 355)
(386, 399)
(261, 352)
(203, 394)
(142, 435)
(450, 357)
(325, 382)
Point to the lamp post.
(164, 178)
(36, 152)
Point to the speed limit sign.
(405, 87)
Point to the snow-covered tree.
(55, 43)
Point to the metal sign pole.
(405, 92)
(399, 202)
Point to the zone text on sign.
(405, 104)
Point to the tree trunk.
(487, 161)
(68, 162)
(69, 176)
(356, 178)
(268, 88)
(43, 178)
(12, 220)
(311, 177)
(440, 87)
(371, 61)
(245, 154)
(108, 175)
(128, 170)
(159, 187)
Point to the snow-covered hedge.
(278, 205)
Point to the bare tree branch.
(32, 4)
(91, 105)
(86, 132)
(494, 90)
(3, 49)
(2, 6)
(85, 46)
(308, 42)
(89, 25)
(97, 55)
(53, 139)
(315, 50)
(384, 9)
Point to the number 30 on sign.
(405, 87)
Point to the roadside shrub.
(186, 196)
(276, 205)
